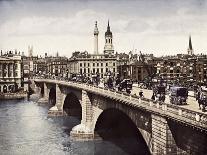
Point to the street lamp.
(67, 74)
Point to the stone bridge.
(159, 128)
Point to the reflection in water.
(26, 129)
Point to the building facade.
(10, 72)
(130, 66)
(57, 66)
(183, 70)
(92, 64)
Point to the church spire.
(108, 32)
(108, 27)
(190, 47)
(108, 48)
(190, 43)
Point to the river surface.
(25, 129)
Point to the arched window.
(5, 89)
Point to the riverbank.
(13, 96)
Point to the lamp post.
(67, 74)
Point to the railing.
(176, 112)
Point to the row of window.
(58, 62)
(95, 64)
(8, 75)
(95, 70)
(4, 66)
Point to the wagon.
(178, 95)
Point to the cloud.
(41, 25)
(181, 23)
(137, 26)
(67, 26)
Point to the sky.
(160, 27)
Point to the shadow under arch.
(188, 139)
(115, 126)
(52, 96)
(72, 106)
(41, 91)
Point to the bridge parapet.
(170, 111)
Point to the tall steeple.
(108, 48)
(30, 51)
(190, 44)
(190, 48)
(108, 27)
(96, 32)
(108, 32)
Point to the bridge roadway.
(192, 104)
(186, 114)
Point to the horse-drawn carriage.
(125, 85)
(178, 95)
(202, 98)
(159, 92)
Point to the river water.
(25, 129)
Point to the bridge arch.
(72, 106)
(116, 126)
(52, 96)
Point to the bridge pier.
(163, 141)
(36, 88)
(45, 97)
(84, 131)
(57, 110)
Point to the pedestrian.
(141, 93)
(153, 96)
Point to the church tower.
(96, 32)
(108, 48)
(190, 48)
(30, 51)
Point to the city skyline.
(158, 27)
